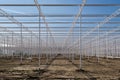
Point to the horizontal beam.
(60, 27)
(57, 33)
(54, 36)
(59, 5)
(60, 31)
(54, 15)
(59, 22)
(75, 37)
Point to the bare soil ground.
(60, 69)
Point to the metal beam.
(59, 5)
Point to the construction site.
(59, 40)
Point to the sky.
(60, 10)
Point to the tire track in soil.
(90, 77)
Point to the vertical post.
(4, 45)
(106, 50)
(12, 47)
(73, 46)
(117, 52)
(115, 48)
(108, 45)
(118, 47)
(7, 47)
(47, 49)
(92, 49)
(80, 42)
(21, 52)
(39, 39)
(31, 46)
(98, 42)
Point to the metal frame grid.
(85, 35)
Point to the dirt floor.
(60, 68)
